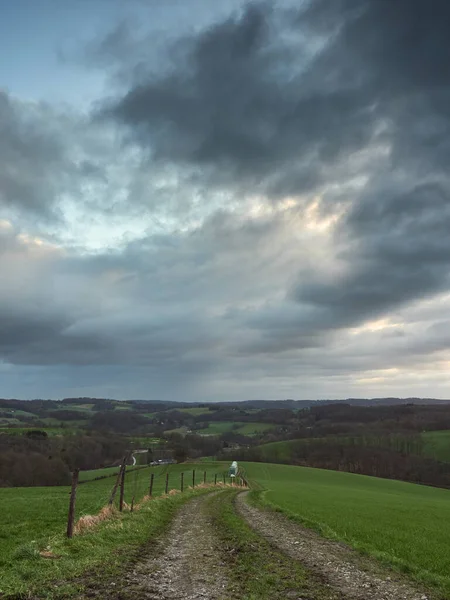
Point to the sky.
(209, 201)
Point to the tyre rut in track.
(190, 566)
(356, 577)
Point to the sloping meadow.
(404, 525)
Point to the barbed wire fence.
(107, 501)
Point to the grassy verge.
(257, 570)
(91, 559)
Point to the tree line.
(35, 459)
(387, 456)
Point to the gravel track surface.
(190, 566)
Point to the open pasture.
(219, 427)
(404, 524)
(194, 411)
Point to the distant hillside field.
(218, 427)
(277, 451)
(105, 472)
(254, 428)
(437, 444)
(195, 411)
(283, 450)
(51, 431)
(404, 524)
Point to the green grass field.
(35, 518)
(94, 473)
(195, 410)
(276, 451)
(28, 512)
(6, 421)
(122, 406)
(406, 525)
(17, 413)
(83, 408)
(437, 445)
(215, 428)
(106, 472)
(181, 430)
(146, 442)
(218, 427)
(51, 431)
(254, 428)
(52, 422)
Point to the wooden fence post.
(73, 497)
(224, 479)
(204, 476)
(193, 478)
(182, 482)
(118, 479)
(122, 489)
(150, 492)
(215, 479)
(167, 482)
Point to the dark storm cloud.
(19, 328)
(29, 157)
(397, 246)
(239, 100)
(398, 250)
(245, 96)
(415, 50)
(396, 56)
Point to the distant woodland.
(42, 441)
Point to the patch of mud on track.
(343, 569)
(190, 566)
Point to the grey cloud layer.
(343, 106)
(240, 103)
(262, 111)
(29, 157)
